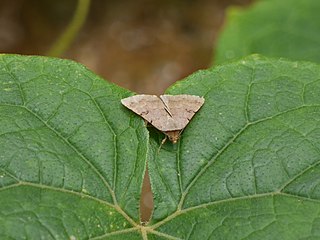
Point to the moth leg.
(162, 142)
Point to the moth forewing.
(169, 113)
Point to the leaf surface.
(287, 28)
(71, 159)
(247, 166)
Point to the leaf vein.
(214, 157)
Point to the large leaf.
(286, 28)
(247, 167)
(72, 158)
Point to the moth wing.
(182, 108)
(149, 107)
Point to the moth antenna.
(180, 133)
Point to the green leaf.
(72, 159)
(287, 28)
(247, 166)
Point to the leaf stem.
(67, 37)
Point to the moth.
(168, 113)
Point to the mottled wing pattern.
(150, 107)
(167, 113)
(182, 108)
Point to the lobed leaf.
(247, 166)
(72, 158)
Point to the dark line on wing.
(166, 107)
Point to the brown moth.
(168, 113)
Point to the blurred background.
(144, 46)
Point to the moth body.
(168, 113)
(173, 135)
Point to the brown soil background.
(141, 45)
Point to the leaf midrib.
(151, 228)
